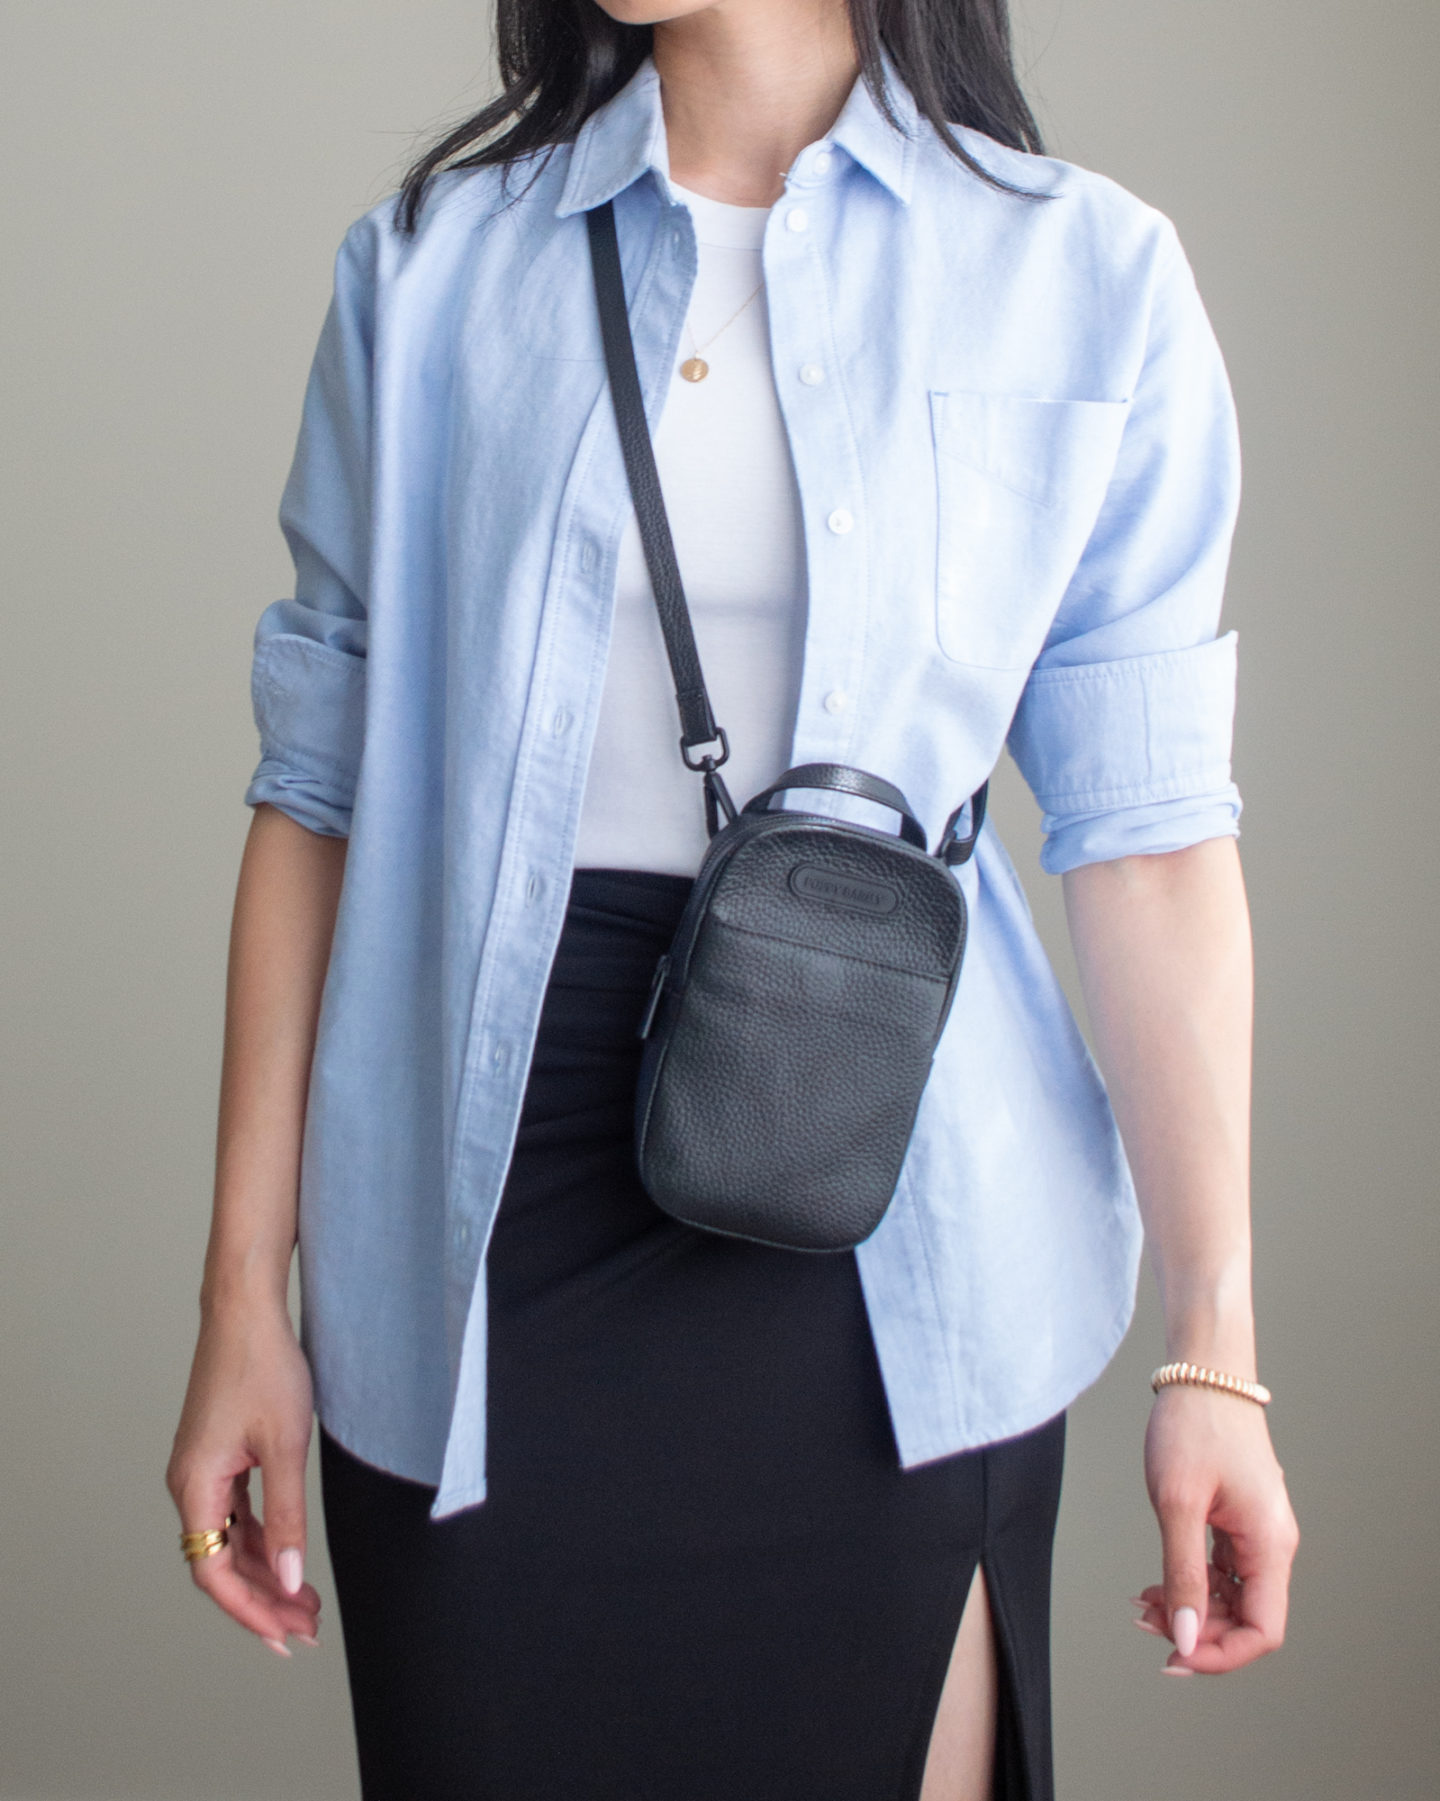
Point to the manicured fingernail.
(1185, 1630)
(314, 1643)
(279, 1647)
(1175, 1669)
(1138, 1601)
(1145, 1626)
(291, 1568)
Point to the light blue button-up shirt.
(1018, 482)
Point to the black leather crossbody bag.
(792, 1023)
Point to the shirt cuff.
(309, 701)
(316, 806)
(1132, 756)
(1138, 831)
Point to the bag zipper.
(657, 988)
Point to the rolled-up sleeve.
(308, 675)
(1124, 726)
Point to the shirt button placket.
(836, 702)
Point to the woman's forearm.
(1163, 945)
(284, 920)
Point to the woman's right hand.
(249, 1406)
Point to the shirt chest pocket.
(1019, 484)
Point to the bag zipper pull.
(657, 984)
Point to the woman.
(618, 1507)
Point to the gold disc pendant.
(694, 368)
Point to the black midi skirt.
(701, 1573)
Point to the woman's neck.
(746, 85)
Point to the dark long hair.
(560, 60)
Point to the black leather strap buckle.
(707, 762)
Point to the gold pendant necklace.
(695, 368)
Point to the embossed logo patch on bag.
(817, 883)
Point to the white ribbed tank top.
(729, 488)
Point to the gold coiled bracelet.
(1197, 1376)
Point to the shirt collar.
(623, 139)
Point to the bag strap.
(697, 721)
(953, 849)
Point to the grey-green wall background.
(176, 175)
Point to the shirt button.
(499, 1057)
(561, 722)
(823, 162)
(462, 1234)
(797, 219)
(533, 887)
(840, 521)
(836, 701)
(588, 558)
(811, 374)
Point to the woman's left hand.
(1209, 1461)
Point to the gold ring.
(195, 1545)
